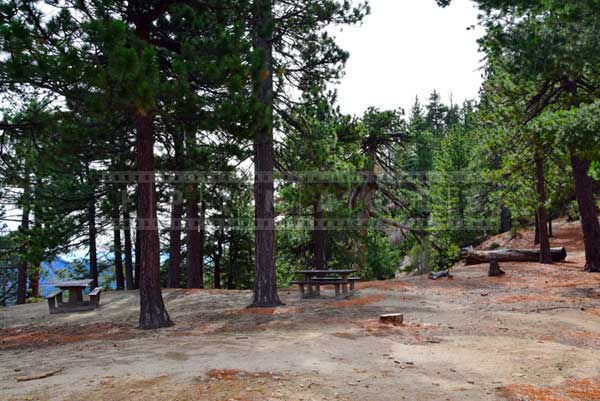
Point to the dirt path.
(531, 335)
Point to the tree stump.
(495, 270)
(395, 319)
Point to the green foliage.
(453, 188)
(383, 260)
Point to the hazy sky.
(410, 47)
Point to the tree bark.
(120, 279)
(35, 267)
(473, 257)
(265, 283)
(587, 211)
(92, 240)
(505, 219)
(219, 257)
(542, 213)
(138, 258)
(23, 266)
(192, 227)
(153, 314)
(319, 239)
(550, 231)
(129, 281)
(174, 273)
(4, 280)
(232, 258)
(536, 237)
(202, 238)
(34, 281)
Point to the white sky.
(410, 47)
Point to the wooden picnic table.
(75, 288)
(308, 274)
(314, 279)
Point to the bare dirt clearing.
(533, 334)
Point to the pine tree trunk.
(35, 268)
(319, 236)
(23, 266)
(174, 273)
(505, 219)
(4, 281)
(545, 256)
(218, 258)
(129, 281)
(138, 258)
(34, 281)
(550, 231)
(120, 279)
(153, 314)
(536, 237)
(92, 241)
(265, 284)
(202, 239)
(587, 211)
(194, 269)
(232, 259)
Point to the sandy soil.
(531, 335)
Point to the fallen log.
(474, 257)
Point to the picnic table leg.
(72, 300)
(301, 288)
(75, 296)
(310, 291)
(51, 304)
(345, 288)
(317, 290)
(352, 285)
(337, 290)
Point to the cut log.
(395, 319)
(474, 257)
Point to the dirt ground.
(532, 335)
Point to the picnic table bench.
(75, 302)
(310, 286)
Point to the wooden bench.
(56, 296)
(95, 296)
